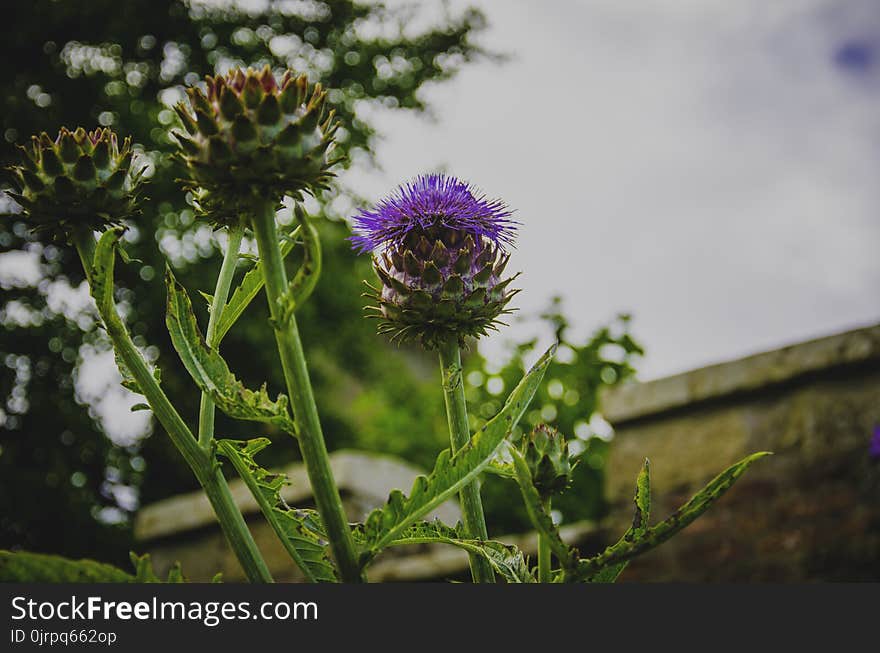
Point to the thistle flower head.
(440, 260)
(546, 453)
(430, 202)
(78, 179)
(252, 136)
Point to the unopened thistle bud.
(252, 137)
(546, 453)
(78, 180)
(439, 252)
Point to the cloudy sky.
(710, 166)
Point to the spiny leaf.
(506, 560)
(641, 515)
(300, 531)
(539, 517)
(451, 473)
(209, 370)
(249, 288)
(681, 518)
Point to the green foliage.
(304, 538)
(24, 567)
(299, 531)
(249, 287)
(506, 560)
(210, 371)
(652, 537)
(569, 400)
(541, 519)
(639, 538)
(452, 472)
(641, 515)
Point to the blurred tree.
(65, 487)
(568, 400)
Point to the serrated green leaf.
(537, 513)
(209, 370)
(451, 473)
(681, 518)
(26, 567)
(641, 515)
(300, 531)
(249, 288)
(506, 560)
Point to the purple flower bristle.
(428, 201)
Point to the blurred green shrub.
(568, 400)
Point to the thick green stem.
(218, 302)
(459, 435)
(299, 387)
(202, 463)
(544, 572)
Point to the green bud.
(546, 453)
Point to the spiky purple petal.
(433, 200)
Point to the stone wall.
(810, 512)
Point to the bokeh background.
(695, 181)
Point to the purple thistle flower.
(874, 446)
(439, 254)
(433, 200)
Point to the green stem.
(299, 387)
(544, 574)
(218, 302)
(459, 435)
(202, 463)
